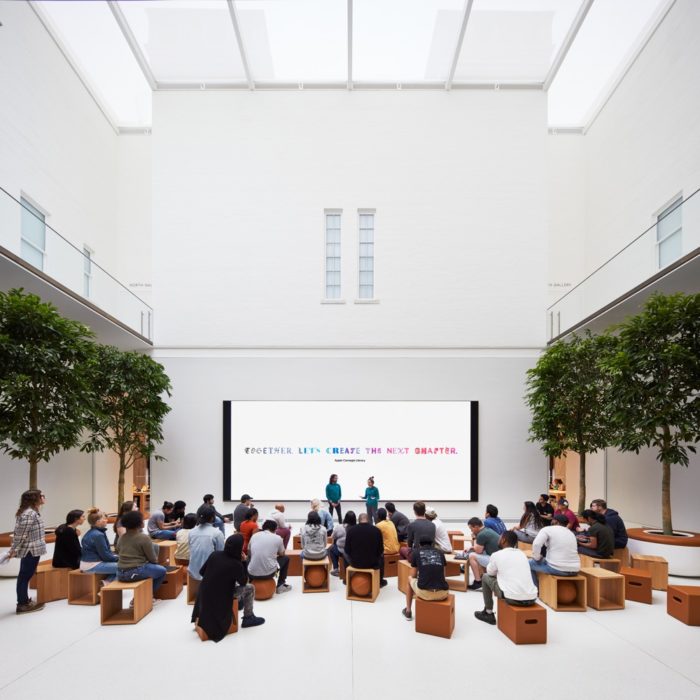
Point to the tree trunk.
(582, 483)
(33, 463)
(120, 488)
(666, 519)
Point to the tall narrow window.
(669, 233)
(33, 235)
(87, 272)
(333, 255)
(366, 255)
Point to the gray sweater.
(314, 541)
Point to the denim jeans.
(218, 522)
(162, 535)
(372, 512)
(105, 567)
(545, 568)
(27, 567)
(334, 553)
(154, 571)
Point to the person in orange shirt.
(249, 527)
(389, 534)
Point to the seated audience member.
(484, 544)
(364, 547)
(219, 520)
(492, 521)
(157, 528)
(560, 543)
(241, 510)
(430, 584)
(545, 508)
(182, 551)
(314, 538)
(223, 578)
(283, 530)
(613, 521)
(507, 576)
(572, 520)
(249, 527)
(598, 541)
(400, 521)
(558, 485)
(118, 528)
(530, 523)
(266, 556)
(66, 551)
(337, 549)
(420, 528)
(326, 517)
(137, 555)
(97, 557)
(204, 539)
(442, 539)
(177, 513)
(388, 530)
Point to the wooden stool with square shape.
(609, 564)
(362, 584)
(623, 555)
(41, 566)
(656, 566)
(294, 562)
(403, 572)
(436, 617)
(84, 587)
(683, 603)
(166, 552)
(563, 593)
(637, 584)
(522, 624)
(452, 534)
(192, 589)
(605, 590)
(171, 586)
(315, 575)
(51, 584)
(112, 611)
(391, 565)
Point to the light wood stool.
(51, 584)
(355, 590)
(554, 592)
(166, 552)
(609, 564)
(623, 555)
(171, 586)
(112, 611)
(391, 565)
(83, 587)
(404, 569)
(192, 589)
(605, 590)
(657, 566)
(315, 575)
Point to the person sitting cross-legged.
(430, 583)
(598, 541)
(266, 555)
(157, 528)
(560, 543)
(507, 576)
(364, 547)
(484, 544)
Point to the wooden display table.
(522, 624)
(605, 590)
(436, 617)
(656, 566)
(83, 587)
(460, 584)
(112, 611)
(315, 575)
(556, 592)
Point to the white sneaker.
(284, 588)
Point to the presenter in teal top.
(333, 496)
(371, 497)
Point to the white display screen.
(287, 450)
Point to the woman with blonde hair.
(97, 557)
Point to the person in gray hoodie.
(314, 538)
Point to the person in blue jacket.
(333, 495)
(97, 557)
(371, 498)
(612, 520)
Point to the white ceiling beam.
(241, 47)
(133, 44)
(350, 27)
(342, 85)
(566, 44)
(460, 41)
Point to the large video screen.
(286, 450)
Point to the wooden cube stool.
(294, 562)
(656, 566)
(637, 584)
(183, 564)
(362, 584)
(452, 534)
(171, 586)
(51, 584)
(683, 603)
(83, 587)
(264, 588)
(341, 568)
(231, 630)
(563, 593)
(605, 590)
(623, 555)
(404, 569)
(41, 566)
(609, 564)
(112, 611)
(459, 542)
(522, 625)
(166, 552)
(315, 575)
(436, 617)
(391, 565)
(192, 589)
(296, 542)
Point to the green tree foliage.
(567, 394)
(45, 388)
(129, 407)
(656, 381)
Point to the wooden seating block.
(294, 562)
(112, 611)
(41, 566)
(683, 603)
(522, 625)
(404, 569)
(525, 546)
(51, 584)
(452, 534)
(342, 566)
(391, 565)
(296, 544)
(657, 566)
(623, 555)
(83, 587)
(315, 575)
(264, 588)
(563, 593)
(366, 586)
(183, 564)
(452, 568)
(609, 564)
(436, 617)
(171, 586)
(166, 552)
(637, 584)
(605, 590)
(192, 589)
(459, 542)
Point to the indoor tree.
(45, 385)
(566, 393)
(129, 407)
(655, 384)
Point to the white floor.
(319, 644)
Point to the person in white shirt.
(283, 530)
(562, 553)
(507, 576)
(266, 555)
(442, 539)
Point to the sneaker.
(474, 586)
(407, 614)
(383, 583)
(335, 572)
(252, 621)
(461, 568)
(485, 616)
(284, 588)
(29, 607)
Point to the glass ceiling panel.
(405, 41)
(513, 40)
(93, 40)
(300, 41)
(609, 36)
(186, 41)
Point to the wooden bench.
(637, 584)
(605, 590)
(315, 575)
(362, 584)
(84, 587)
(563, 593)
(656, 566)
(522, 624)
(683, 603)
(436, 617)
(112, 611)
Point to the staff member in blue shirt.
(371, 498)
(333, 496)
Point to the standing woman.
(333, 496)
(67, 551)
(371, 498)
(29, 544)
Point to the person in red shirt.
(249, 527)
(563, 508)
